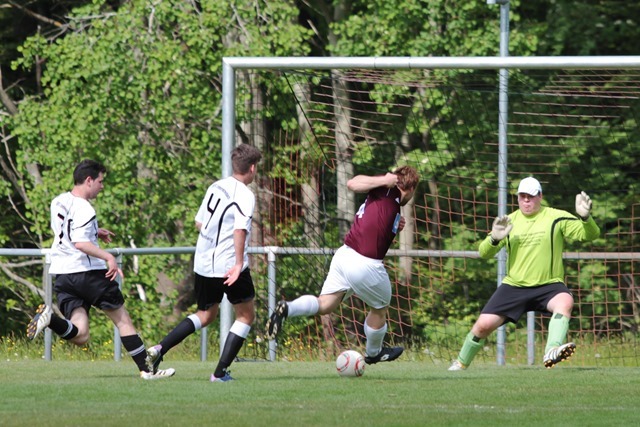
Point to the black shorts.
(86, 289)
(210, 290)
(512, 302)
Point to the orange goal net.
(574, 130)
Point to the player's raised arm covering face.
(365, 183)
(405, 178)
(378, 220)
(407, 182)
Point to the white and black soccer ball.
(350, 363)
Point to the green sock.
(470, 348)
(558, 327)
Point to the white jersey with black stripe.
(227, 206)
(73, 220)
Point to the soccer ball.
(350, 363)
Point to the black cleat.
(387, 354)
(274, 324)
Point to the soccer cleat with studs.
(40, 321)
(274, 324)
(223, 379)
(154, 357)
(387, 354)
(558, 354)
(158, 375)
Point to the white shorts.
(365, 277)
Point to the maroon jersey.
(376, 223)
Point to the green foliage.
(426, 28)
(137, 86)
(588, 27)
(139, 90)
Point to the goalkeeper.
(534, 237)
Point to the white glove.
(500, 229)
(583, 205)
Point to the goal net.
(573, 129)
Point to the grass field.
(402, 393)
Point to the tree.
(138, 89)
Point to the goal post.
(481, 210)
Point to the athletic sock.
(235, 339)
(558, 327)
(470, 348)
(306, 305)
(375, 339)
(189, 325)
(63, 327)
(135, 347)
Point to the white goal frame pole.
(228, 139)
(231, 64)
(411, 62)
(503, 124)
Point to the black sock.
(135, 347)
(63, 327)
(231, 349)
(179, 333)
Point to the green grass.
(402, 393)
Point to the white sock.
(375, 338)
(306, 305)
(240, 329)
(196, 321)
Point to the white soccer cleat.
(154, 357)
(558, 354)
(40, 320)
(158, 375)
(223, 379)
(457, 366)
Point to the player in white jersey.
(357, 268)
(221, 263)
(85, 273)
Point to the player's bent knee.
(482, 330)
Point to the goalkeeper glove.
(500, 229)
(583, 205)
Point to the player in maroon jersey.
(357, 267)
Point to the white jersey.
(73, 220)
(227, 206)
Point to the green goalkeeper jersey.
(536, 243)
